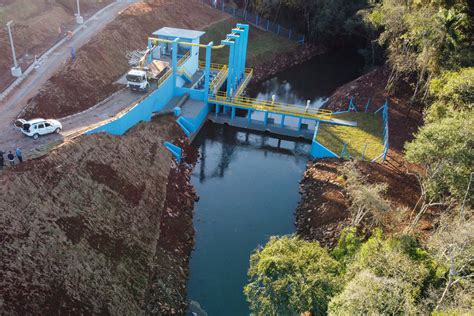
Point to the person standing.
(11, 158)
(19, 155)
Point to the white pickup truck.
(38, 127)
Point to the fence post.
(278, 32)
(303, 39)
(256, 20)
(289, 35)
(363, 153)
(245, 15)
(268, 24)
(223, 4)
(367, 105)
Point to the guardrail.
(164, 77)
(214, 66)
(243, 85)
(256, 20)
(219, 79)
(184, 59)
(270, 106)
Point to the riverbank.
(322, 212)
(96, 214)
(167, 292)
(282, 61)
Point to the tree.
(452, 91)
(289, 276)
(453, 245)
(397, 259)
(366, 199)
(424, 38)
(445, 149)
(368, 294)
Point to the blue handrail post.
(282, 121)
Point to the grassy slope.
(263, 46)
(369, 131)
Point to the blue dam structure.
(195, 90)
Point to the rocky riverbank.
(322, 212)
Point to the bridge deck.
(279, 108)
(258, 125)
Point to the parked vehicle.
(38, 127)
(139, 78)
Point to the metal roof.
(181, 33)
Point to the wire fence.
(384, 109)
(256, 20)
(346, 150)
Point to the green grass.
(263, 46)
(368, 131)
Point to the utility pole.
(15, 70)
(79, 18)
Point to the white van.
(38, 127)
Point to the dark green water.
(248, 186)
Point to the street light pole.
(79, 19)
(15, 70)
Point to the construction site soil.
(323, 209)
(102, 225)
(89, 79)
(38, 25)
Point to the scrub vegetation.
(386, 263)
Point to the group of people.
(11, 157)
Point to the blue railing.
(256, 20)
(384, 109)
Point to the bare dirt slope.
(89, 79)
(38, 24)
(81, 230)
(322, 212)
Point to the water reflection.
(224, 141)
(314, 80)
(248, 188)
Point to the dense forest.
(428, 47)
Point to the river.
(248, 186)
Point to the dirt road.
(11, 107)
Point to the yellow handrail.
(276, 107)
(248, 76)
(219, 78)
(184, 59)
(215, 67)
(164, 77)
